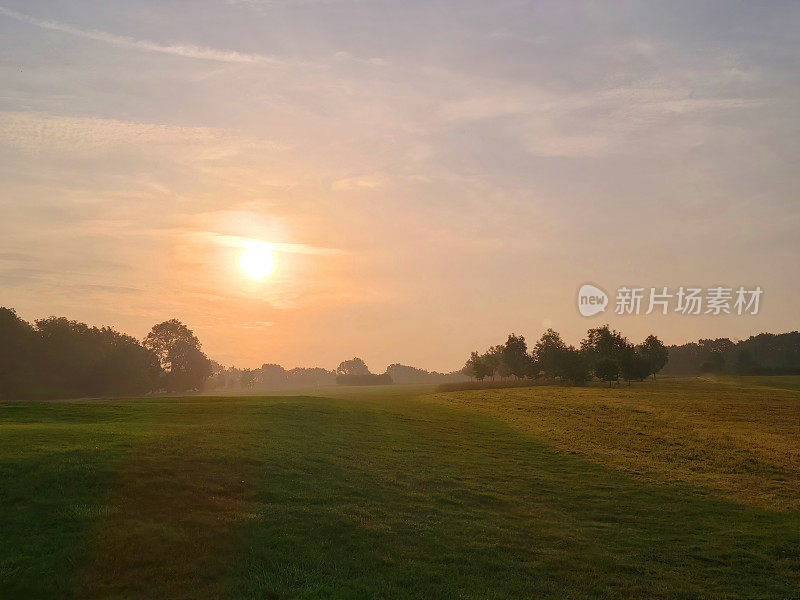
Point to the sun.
(256, 262)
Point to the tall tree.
(247, 379)
(184, 365)
(548, 352)
(515, 355)
(655, 353)
(603, 342)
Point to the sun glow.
(256, 261)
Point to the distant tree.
(407, 374)
(354, 366)
(365, 379)
(272, 375)
(633, 365)
(478, 367)
(515, 356)
(548, 352)
(712, 354)
(713, 363)
(771, 354)
(606, 369)
(746, 364)
(572, 366)
(218, 379)
(603, 343)
(533, 368)
(20, 357)
(184, 365)
(492, 360)
(310, 376)
(247, 379)
(653, 351)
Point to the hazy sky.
(436, 174)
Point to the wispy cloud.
(32, 131)
(240, 241)
(254, 325)
(184, 50)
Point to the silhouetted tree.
(184, 365)
(248, 378)
(572, 366)
(478, 367)
(606, 369)
(653, 351)
(64, 358)
(20, 357)
(354, 366)
(603, 344)
(515, 355)
(633, 365)
(548, 352)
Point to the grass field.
(679, 489)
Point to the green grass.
(378, 494)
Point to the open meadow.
(672, 489)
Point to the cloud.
(236, 241)
(36, 131)
(254, 325)
(184, 50)
(352, 183)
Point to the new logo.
(591, 300)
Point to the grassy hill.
(682, 489)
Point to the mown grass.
(736, 437)
(371, 495)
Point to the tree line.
(604, 353)
(60, 358)
(762, 354)
(353, 371)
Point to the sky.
(432, 175)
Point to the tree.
(571, 366)
(354, 366)
(714, 363)
(653, 351)
(746, 364)
(548, 352)
(273, 375)
(533, 369)
(20, 356)
(606, 369)
(63, 358)
(515, 356)
(478, 367)
(602, 343)
(633, 365)
(183, 363)
(247, 379)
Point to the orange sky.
(432, 180)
